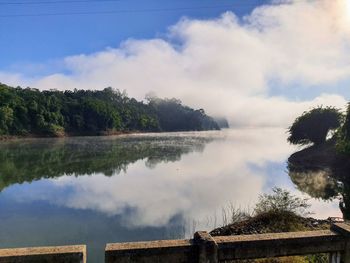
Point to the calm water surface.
(98, 190)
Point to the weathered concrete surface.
(341, 228)
(167, 251)
(279, 244)
(344, 230)
(203, 248)
(69, 254)
(207, 247)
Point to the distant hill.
(30, 112)
(222, 122)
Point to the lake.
(98, 190)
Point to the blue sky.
(37, 39)
(226, 56)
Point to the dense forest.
(28, 112)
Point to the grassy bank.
(275, 213)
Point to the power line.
(77, 1)
(150, 10)
(56, 2)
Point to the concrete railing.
(66, 254)
(203, 248)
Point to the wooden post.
(344, 230)
(207, 247)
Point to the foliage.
(274, 213)
(232, 214)
(84, 112)
(318, 258)
(222, 122)
(173, 116)
(313, 126)
(343, 136)
(281, 201)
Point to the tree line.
(28, 111)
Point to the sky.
(258, 63)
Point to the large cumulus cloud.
(229, 65)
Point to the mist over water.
(98, 190)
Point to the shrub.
(281, 201)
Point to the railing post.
(334, 257)
(344, 230)
(207, 247)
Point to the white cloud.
(227, 65)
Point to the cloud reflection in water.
(192, 174)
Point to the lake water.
(98, 190)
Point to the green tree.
(313, 126)
(6, 119)
(173, 116)
(89, 112)
(343, 138)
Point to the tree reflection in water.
(323, 174)
(25, 161)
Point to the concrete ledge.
(207, 249)
(70, 254)
(279, 244)
(170, 251)
(203, 248)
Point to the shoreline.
(7, 138)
